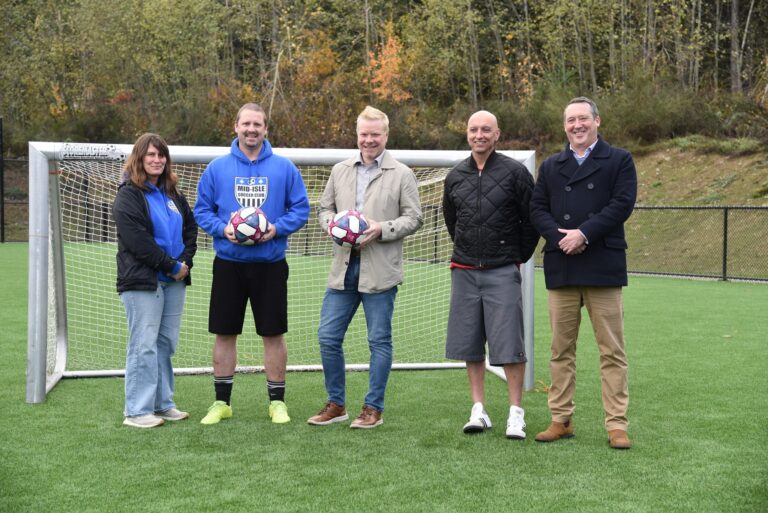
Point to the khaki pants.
(606, 311)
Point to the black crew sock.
(276, 390)
(223, 387)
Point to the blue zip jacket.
(270, 182)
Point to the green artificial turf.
(699, 396)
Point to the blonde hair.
(372, 114)
(134, 166)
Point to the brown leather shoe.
(556, 431)
(618, 439)
(330, 414)
(369, 418)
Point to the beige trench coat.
(391, 199)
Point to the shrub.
(645, 112)
(740, 116)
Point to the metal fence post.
(2, 185)
(436, 245)
(725, 243)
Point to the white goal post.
(76, 322)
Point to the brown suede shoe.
(618, 439)
(556, 431)
(330, 414)
(369, 418)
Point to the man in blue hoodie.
(250, 175)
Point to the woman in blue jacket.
(156, 240)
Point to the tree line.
(105, 71)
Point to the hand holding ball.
(250, 224)
(347, 228)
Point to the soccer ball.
(347, 228)
(250, 225)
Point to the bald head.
(483, 117)
(482, 134)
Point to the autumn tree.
(107, 70)
(388, 76)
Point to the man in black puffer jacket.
(485, 205)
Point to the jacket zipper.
(480, 212)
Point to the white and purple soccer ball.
(347, 228)
(250, 225)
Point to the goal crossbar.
(51, 323)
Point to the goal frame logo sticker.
(251, 191)
(91, 151)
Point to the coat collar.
(388, 161)
(570, 168)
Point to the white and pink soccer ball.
(347, 228)
(250, 225)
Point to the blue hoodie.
(270, 182)
(167, 224)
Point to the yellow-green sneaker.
(278, 412)
(218, 410)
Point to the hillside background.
(698, 171)
(683, 84)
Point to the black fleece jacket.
(139, 258)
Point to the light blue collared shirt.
(581, 159)
(364, 174)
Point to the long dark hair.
(134, 166)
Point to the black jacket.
(597, 198)
(139, 258)
(487, 214)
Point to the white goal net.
(77, 323)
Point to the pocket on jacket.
(615, 242)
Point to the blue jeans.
(154, 319)
(339, 307)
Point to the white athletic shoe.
(479, 420)
(516, 423)
(143, 421)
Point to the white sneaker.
(172, 414)
(479, 420)
(143, 421)
(516, 423)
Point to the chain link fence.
(14, 204)
(723, 242)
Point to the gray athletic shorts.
(487, 306)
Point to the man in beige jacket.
(386, 192)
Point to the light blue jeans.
(154, 319)
(339, 307)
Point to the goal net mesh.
(95, 318)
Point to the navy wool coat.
(597, 198)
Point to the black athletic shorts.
(234, 283)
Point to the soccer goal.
(76, 322)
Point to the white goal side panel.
(95, 331)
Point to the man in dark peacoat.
(581, 200)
